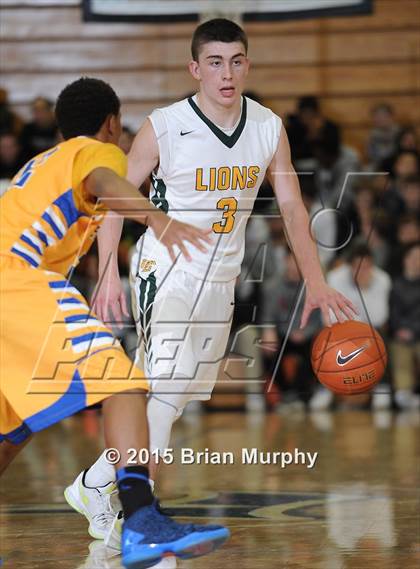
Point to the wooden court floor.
(356, 508)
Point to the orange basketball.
(349, 357)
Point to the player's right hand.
(171, 233)
(108, 300)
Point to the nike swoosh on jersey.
(343, 360)
(182, 133)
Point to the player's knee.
(174, 392)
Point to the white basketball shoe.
(113, 536)
(100, 557)
(99, 505)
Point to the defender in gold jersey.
(56, 356)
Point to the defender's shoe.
(94, 503)
(148, 535)
(113, 537)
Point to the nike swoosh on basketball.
(343, 360)
(182, 133)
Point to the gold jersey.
(47, 218)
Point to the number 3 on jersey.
(229, 205)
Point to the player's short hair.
(218, 29)
(83, 106)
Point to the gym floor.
(357, 507)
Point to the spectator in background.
(408, 231)
(364, 202)
(9, 121)
(42, 132)
(280, 298)
(365, 284)
(323, 221)
(408, 140)
(335, 173)
(126, 139)
(390, 192)
(276, 245)
(368, 287)
(405, 163)
(405, 329)
(371, 223)
(382, 141)
(410, 193)
(308, 128)
(11, 156)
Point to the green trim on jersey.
(148, 290)
(158, 199)
(228, 140)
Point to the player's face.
(221, 69)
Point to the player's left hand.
(326, 298)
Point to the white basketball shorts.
(184, 326)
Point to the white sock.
(100, 474)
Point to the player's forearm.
(297, 226)
(123, 198)
(120, 196)
(109, 236)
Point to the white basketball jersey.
(209, 177)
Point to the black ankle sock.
(134, 488)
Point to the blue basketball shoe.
(148, 536)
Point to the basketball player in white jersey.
(208, 156)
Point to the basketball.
(349, 357)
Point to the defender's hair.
(83, 106)
(218, 29)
